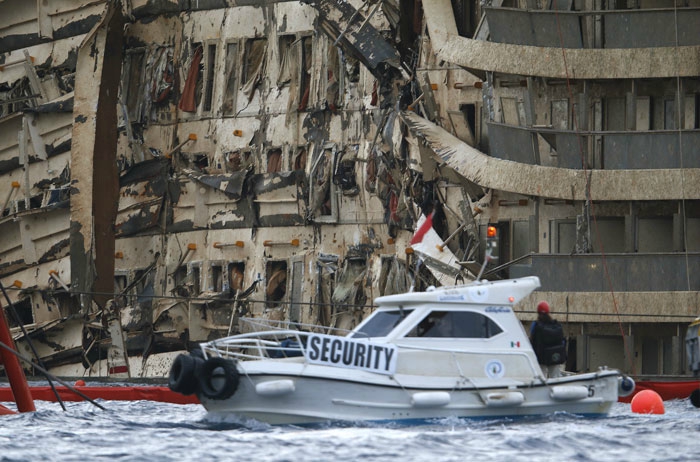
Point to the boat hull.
(317, 399)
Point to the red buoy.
(647, 402)
(80, 383)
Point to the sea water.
(151, 431)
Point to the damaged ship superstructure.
(173, 165)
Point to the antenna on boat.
(491, 244)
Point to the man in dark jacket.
(547, 338)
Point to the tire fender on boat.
(218, 378)
(183, 374)
(695, 397)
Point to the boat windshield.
(382, 323)
(455, 324)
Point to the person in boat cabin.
(547, 338)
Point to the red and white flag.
(420, 232)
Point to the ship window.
(180, 281)
(194, 274)
(134, 68)
(209, 82)
(300, 159)
(276, 282)
(119, 283)
(142, 285)
(217, 280)
(287, 60)
(333, 76)
(201, 161)
(235, 275)
(305, 76)
(274, 160)
(321, 188)
(24, 311)
(326, 270)
(192, 90)
(344, 175)
(237, 160)
(456, 324)
(393, 277)
(349, 289)
(231, 79)
(253, 65)
(382, 323)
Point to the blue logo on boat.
(497, 309)
(450, 298)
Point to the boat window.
(456, 324)
(382, 323)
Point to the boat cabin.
(452, 330)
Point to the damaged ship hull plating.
(170, 166)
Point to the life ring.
(182, 377)
(218, 378)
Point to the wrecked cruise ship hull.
(178, 166)
(172, 166)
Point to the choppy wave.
(143, 430)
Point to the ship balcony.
(642, 28)
(604, 150)
(622, 272)
(625, 287)
(613, 44)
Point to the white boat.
(447, 352)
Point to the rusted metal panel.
(142, 192)
(652, 150)
(230, 184)
(138, 218)
(345, 24)
(652, 28)
(216, 209)
(534, 27)
(93, 163)
(634, 150)
(628, 273)
(69, 24)
(512, 143)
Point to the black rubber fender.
(218, 378)
(183, 374)
(695, 397)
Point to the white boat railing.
(246, 325)
(267, 339)
(272, 344)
